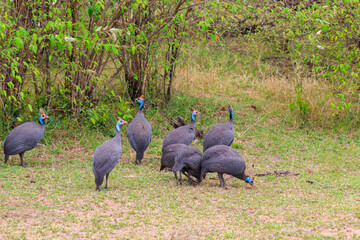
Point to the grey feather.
(105, 158)
(219, 134)
(188, 160)
(169, 154)
(23, 138)
(183, 134)
(139, 135)
(223, 159)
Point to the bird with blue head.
(106, 156)
(220, 133)
(184, 134)
(24, 138)
(223, 159)
(139, 132)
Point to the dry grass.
(277, 91)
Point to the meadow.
(55, 197)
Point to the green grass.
(55, 196)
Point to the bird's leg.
(22, 160)
(107, 175)
(175, 176)
(6, 158)
(180, 179)
(98, 188)
(221, 179)
(188, 176)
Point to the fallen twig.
(263, 174)
(277, 173)
(281, 173)
(322, 185)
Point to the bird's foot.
(23, 165)
(98, 189)
(192, 182)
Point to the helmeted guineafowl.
(139, 132)
(106, 156)
(183, 134)
(169, 154)
(188, 161)
(223, 159)
(24, 138)
(220, 133)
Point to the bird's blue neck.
(141, 104)
(41, 121)
(231, 113)
(118, 126)
(193, 116)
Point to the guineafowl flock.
(177, 154)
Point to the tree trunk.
(134, 85)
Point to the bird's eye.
(43, 116)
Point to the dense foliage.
(73, 57)
(64, 55)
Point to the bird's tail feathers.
(139, 156)
(178, 166)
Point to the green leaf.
(115, 51)
(18, 78)
(30, 107)
(133, 49)
(90, 11)
(34, 37)
(33, 48)
(69, 25)
(10, 85)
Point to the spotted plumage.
(220, 133)
(139, 132)
(188, 162)
(183, 134)
(223, 159)
(24, 138)
(106, 157)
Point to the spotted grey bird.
(139, 132)
(223, 159)
(24, 138)
(220, 133)
(106, 157)
(188, 162)
(183, 134)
